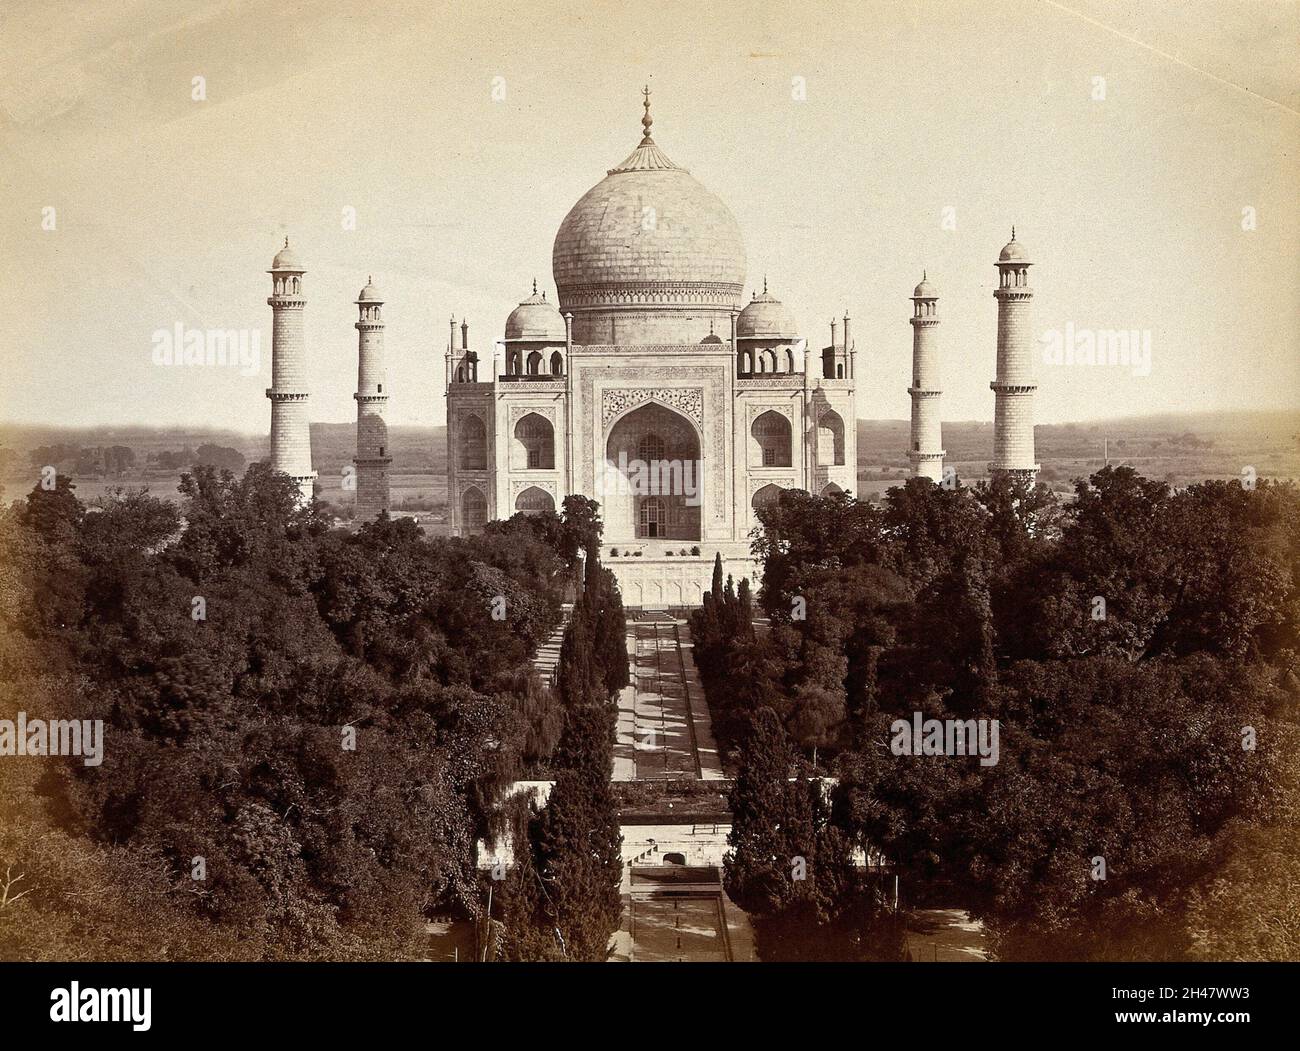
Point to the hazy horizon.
(169, 209)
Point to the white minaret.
(290, 426)
(926, 448)
(372, 457)
(1013, 413)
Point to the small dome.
(1014, 252)
(925, 290)
(370, 294)
(536, 319)
(712, 339)
(285, 259)
(765, 317)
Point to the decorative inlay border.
(518, 412)
(755, 484)
(757, 409)
(518, 486)
(688, 400)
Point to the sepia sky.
(168, 210)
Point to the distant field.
(1176, 449)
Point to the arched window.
(771, 433)
(830, 438)
(789, 359)
(652, 521)
(769, 494)
(534, 444)
(534, 501)
(534, 364)
(473, 510)
(557, 364)
(839, 372)
(473, 444)
(769, 361)
(828, 363)
(650, 448)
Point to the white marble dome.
(648, 236)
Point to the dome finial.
(286, 242)
(924, 276)
(764, 284)
(1013, 233)
(534, 286)
(646, 120)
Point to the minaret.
(926, 448)
(1013, 413)
(372, 457)
(290, 426)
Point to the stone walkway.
(664, 730)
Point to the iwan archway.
(651, 487)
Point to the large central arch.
(651, 487)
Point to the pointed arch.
(772, 444)
(533, 447)
(473, 510)
(830, 439)
(471, 444)
(534, 501)
(652, 453)
(769, 494)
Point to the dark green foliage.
(232, 659)
(1121, 727)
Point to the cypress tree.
(758, 867)
(580, 865)
(577, 676)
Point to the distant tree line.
(1138, 648)
(114, 460)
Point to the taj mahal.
(649, 385)
(646, 386)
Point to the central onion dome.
(648, 255)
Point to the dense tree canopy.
(305, 730)
(1137, 647)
